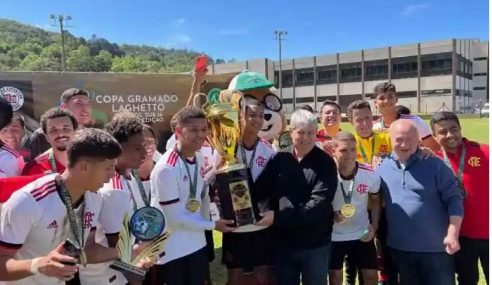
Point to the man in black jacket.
(299, 184)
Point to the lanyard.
(67, 201)
(243, 155)
(461, 165)
(140, 187)
(194, 183)
(363, 152)
(51, 159)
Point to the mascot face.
(256, 85)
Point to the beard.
(61, 148)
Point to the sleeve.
(32, 168)
(375, 184)
(17, 217)
(115, 204)
(424, 130)
(449, 190)
(165, 183)
(320, 203)
(10, 165)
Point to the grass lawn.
(473, 129)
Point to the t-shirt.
(11, 162)
(374, 148)
(117, 200)
(170, 190)
(365, 182)
(476, 182)
(263, 154)
(34, 221)
(422, 127)
(41, 165)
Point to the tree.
(103, 61)
(80, 60)
(219, 61)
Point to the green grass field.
(473, 129)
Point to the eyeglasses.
(270, 101)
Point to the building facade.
(429, 76)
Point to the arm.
(426, 134)
(97, 253)
(198, 79)
(375, 201)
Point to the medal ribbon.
(461, 166)
(347, 197)
(140, 187)
(194, 184)
(67, 201)
(51, 159)
(363, 152)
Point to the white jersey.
(34, 221)
(366, 181)
(170, 190)
(11, 162)
(422, 127)
(117, 199)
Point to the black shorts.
(247, 250)
(362, 253)
(188, 270)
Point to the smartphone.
(70, 249)
(201, 63)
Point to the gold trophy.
(147, 225)
(231, 178)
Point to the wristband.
(34, 265)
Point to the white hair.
(302, 119)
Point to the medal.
(461, 168)
(192, 205)
(348, 211)
(147, 223)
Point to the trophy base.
(131, 273)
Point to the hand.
(267, 219)
(327, 147)
(452, 244)
(209, 175)
(370, 234)
(223, 226)
(338, 217)
(51, 265)
(145, 263)
(426, 152)
(139, 247)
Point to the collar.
(416, 156)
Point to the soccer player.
(38, 219)
(250, 252)
(385, 99)
(74, 100)
(469, 161)
(353, 233)
(13, 133)
(59, 127)
(178, 188)
(11, 162)
(125, 193)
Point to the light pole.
(59, 22)
(278, 37)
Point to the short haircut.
(57, 113)
(68, 94)
(329, 102)
(150, 129)
(302, 118)
(384, 88)
(402, 110)
(343, 136)
(18, 117)
(357, 105)
(188, 113)
(6, 112)
(123, 126)
(443, 116)
(173, 123)
(92, 143)
(306, 107)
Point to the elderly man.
(301, 182)
(424, 208)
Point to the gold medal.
(192, 205)
(83, 258)
(348, 210)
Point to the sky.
(245, 29)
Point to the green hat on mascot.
(248, 80)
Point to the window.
(480, 74)
(479, 88)
(350, 72)
(404, 67)
(326, 74)
(287, 79)
(304, 77)
(438, 64)
(376, 69)
(480, 58)
(305, 100)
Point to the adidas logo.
(52, 225)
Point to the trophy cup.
(231, 178)
(147, 225)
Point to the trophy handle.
(197, 100)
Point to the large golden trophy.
(146, 225)
(231, 179)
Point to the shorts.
(247, 250)
(362, 253)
